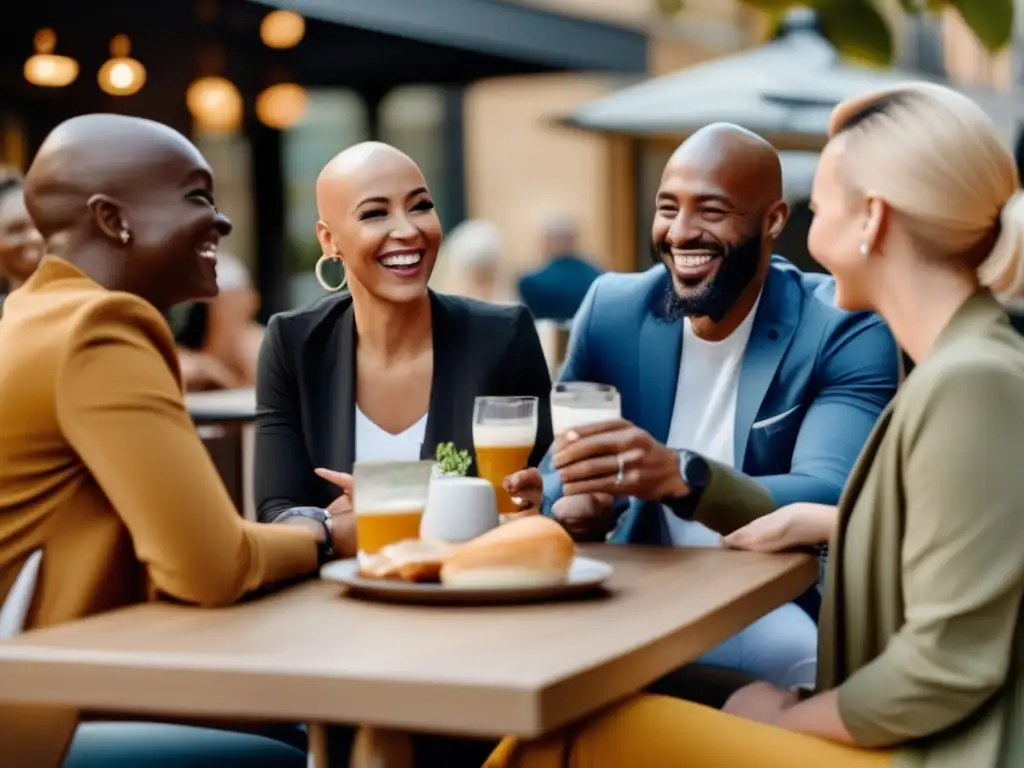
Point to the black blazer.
(305, 390)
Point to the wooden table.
(309, 655)
(224, 420)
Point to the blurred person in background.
(21, 245)
(556, 290)
(920, 217)
(219, 340)
(470, 261)
(102, 473)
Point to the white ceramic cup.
(459, 509)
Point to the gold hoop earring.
(320, 275)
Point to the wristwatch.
(325, 548)
(696, 473)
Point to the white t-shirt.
(704, 413)
(376, 444)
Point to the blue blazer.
(813, 382)
(556, 291)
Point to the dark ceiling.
(170, 36)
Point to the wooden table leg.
(381, 748)
(317, 753)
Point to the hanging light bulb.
(282, 29)
(215, 104)
(282, 106)
(45, 68)
(121, 75)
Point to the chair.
(16, 606)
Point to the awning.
(506, 29)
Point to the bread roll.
(413, 560)
(528, 552)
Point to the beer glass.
(388, 500)
(504, 433)
(579, 403)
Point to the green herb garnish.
(453, 462)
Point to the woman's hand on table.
(760, 701)
(343, 520)
(795, 525)
(526, 488)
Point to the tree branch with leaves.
(861, 32)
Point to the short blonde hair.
(936, 158)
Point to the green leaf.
(778, 6)
(454, 463)
(858, 30)
(990, 20)
(670, 8)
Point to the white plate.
(586, 575)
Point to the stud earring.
(125, 236)
(865, 249)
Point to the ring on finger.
(621, 463)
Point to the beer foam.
(513, 435)
(390, 507)
(564, 417)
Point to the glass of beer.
(388, 500)
(579, 403)
(504, 433)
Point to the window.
(413, 118)
(229, 158)
(336, 118)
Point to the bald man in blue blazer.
(737, 375)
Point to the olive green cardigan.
(921, 624)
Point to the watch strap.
(693, 470)
(325, 548)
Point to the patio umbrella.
(727, 89)
(783, 90)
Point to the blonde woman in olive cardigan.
(919, 217)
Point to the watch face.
(696, 472)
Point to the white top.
(376, 444)
(704, 413)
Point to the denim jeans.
(159, 745)
(781, 647)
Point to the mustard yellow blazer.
(102, 469)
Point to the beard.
(738, 267)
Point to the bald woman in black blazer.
(386, 369)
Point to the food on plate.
(529, 552)
(413, 560)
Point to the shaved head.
(742, 161)
(130, 202)
(378, 220)
(352, 167)
(719, 207)
(96, 154)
